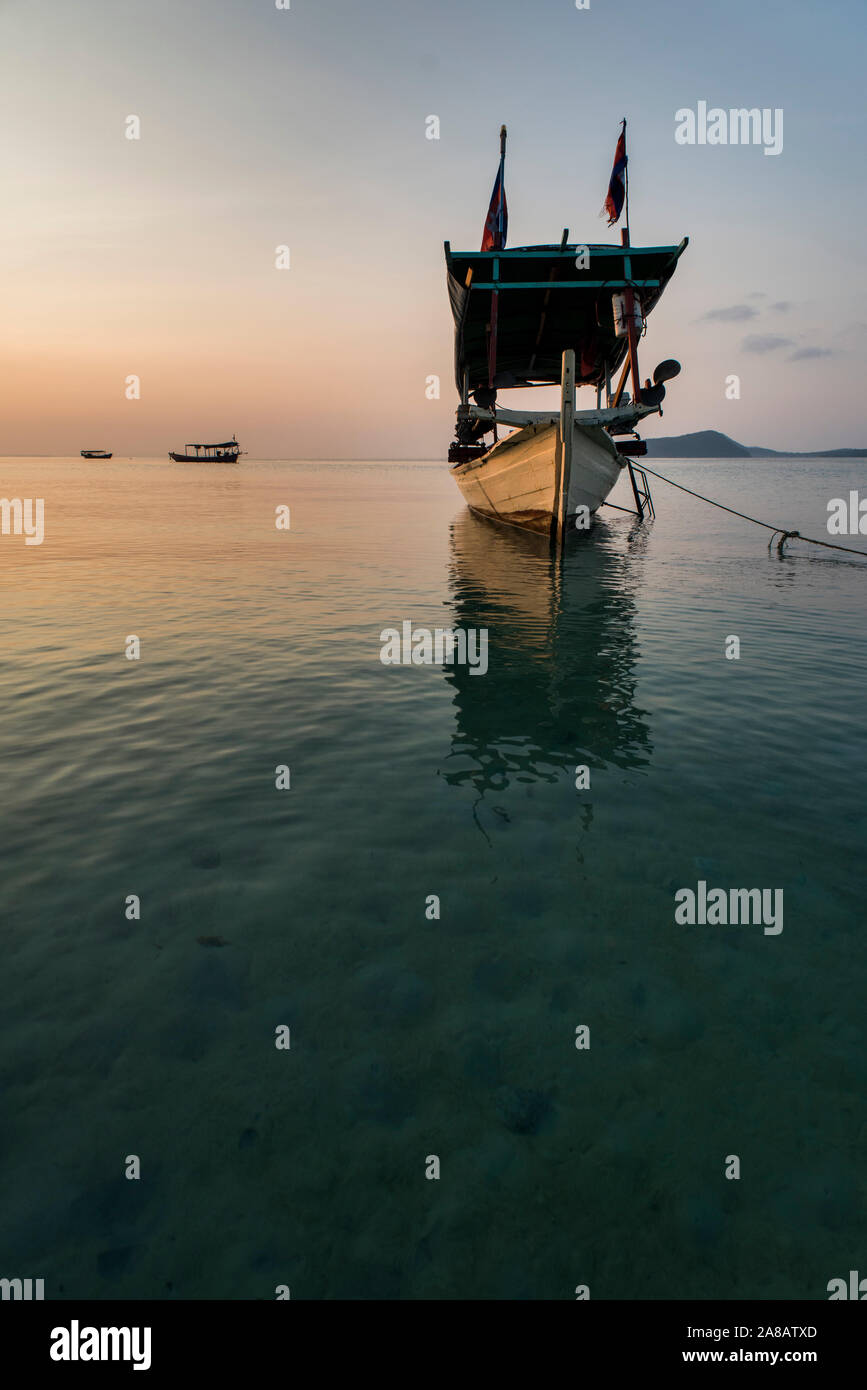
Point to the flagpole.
(630, 293)
(492, 343)
(626, 181)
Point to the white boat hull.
(517, 481)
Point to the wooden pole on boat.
(492, 341)
(551, 274)
(499, 246)
(630, 293)
(631, 334)
(621, 383)
(563, 460)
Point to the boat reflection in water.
(559, 689)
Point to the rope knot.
(785, 536)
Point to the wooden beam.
(492, 340)
(623, 415)
(567, 431)
(551, 273)
(555, 535)
(566, 284)
(621, 383)
(525, 253)
(633, 346)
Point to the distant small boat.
(229, 452)
(95, 454)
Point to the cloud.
(803, 354)
(782, 306)
(852, 330)
(757, 294)
(757, 342)
(737, 313)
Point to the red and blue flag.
(617, 185)
(497, 220)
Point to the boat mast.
(626, 183)
(631, 334)
(492, 341)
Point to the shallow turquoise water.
(412, 1037)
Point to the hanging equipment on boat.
(620, 306)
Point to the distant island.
(713, 445)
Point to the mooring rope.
(776, 530)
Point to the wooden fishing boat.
(568, 315)
(95, 454)
(228, 452)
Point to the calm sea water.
(413, 1037)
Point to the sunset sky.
(306, 127)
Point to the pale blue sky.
(307, 127)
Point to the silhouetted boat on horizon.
(96, 454)
(228, 452)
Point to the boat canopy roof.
(230, 444)
(546, 305)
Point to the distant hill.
(705, 444)
(758, 453)
(711, 444)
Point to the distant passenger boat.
(229, 452)
(95, 454)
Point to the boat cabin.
(550, 299)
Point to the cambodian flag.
(497, 220)
(617, 186)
